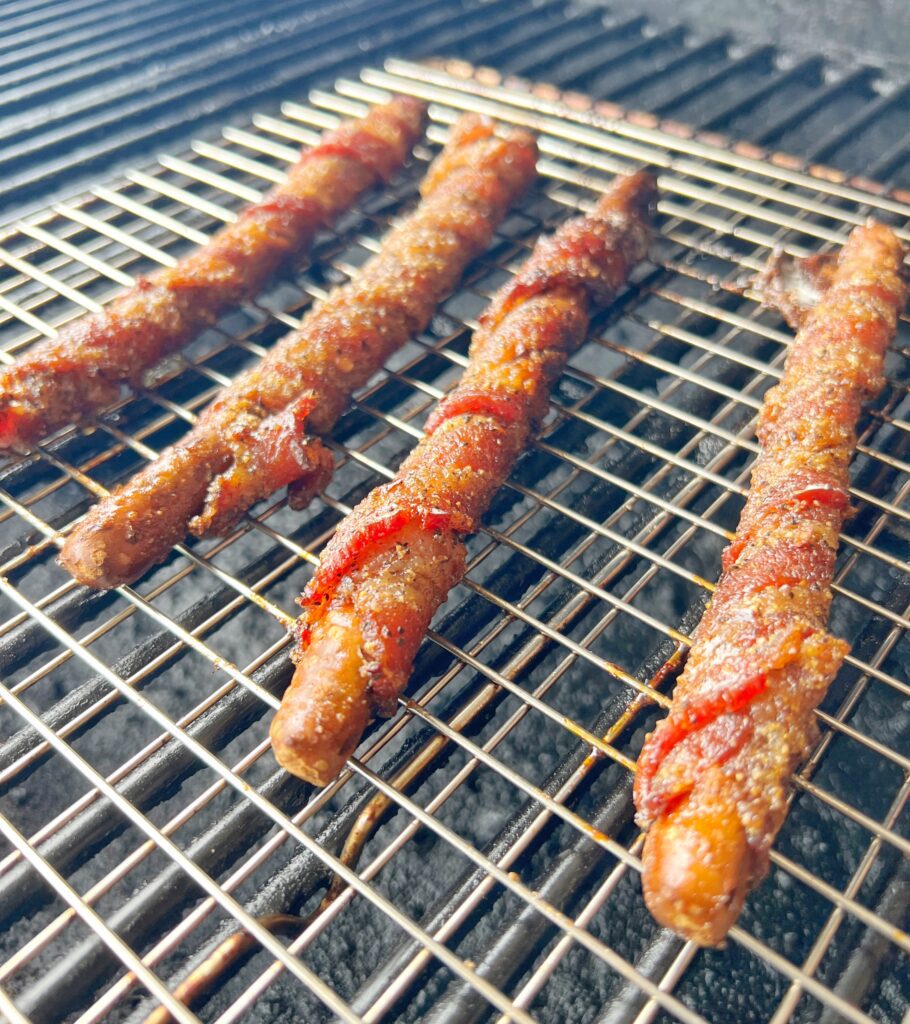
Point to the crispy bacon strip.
(261, 434)
(64, 379)
(712, 778)
(394, 559)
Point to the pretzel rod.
(712, 778)
(65, 379)
(262, 433)
(393, 560)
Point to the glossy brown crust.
(394, 559)
(63, 380)
(261, 433)
(712, 778)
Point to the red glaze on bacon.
(64, 379)
(394, 559)
(712, 778)
(262, 433)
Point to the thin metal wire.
(9, 1011)
(93, 920)
(514, 102)
(716, 201)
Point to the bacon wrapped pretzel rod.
(64, 379)
(261, 433)
(394, 559)
(712, 778)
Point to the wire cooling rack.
(477, 858)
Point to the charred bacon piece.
(64, 379)
(712, 778)
(393, 560)
(261, 433)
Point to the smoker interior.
(89, 87)
(144, 819)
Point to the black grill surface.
(87, 88)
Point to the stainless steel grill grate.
(477, 860)
(87, 87)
